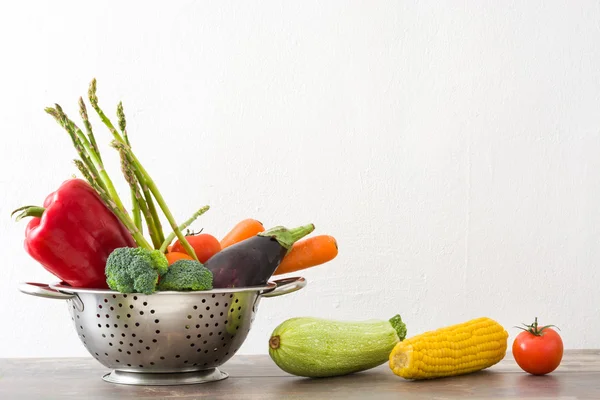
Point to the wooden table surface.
(256, 377)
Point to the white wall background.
(452, 148)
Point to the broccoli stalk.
(135, 270)
(184, 275)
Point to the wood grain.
(256, 377)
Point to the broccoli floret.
(186, 275)
(135, 270)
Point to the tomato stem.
(534, 329)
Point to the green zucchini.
(317, 348)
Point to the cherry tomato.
(204, 244)
(538, 350)
(173, 256)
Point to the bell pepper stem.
(28, 211)
(169, 239)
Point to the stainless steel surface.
(44, 290)
(183, 378)
(166, 332)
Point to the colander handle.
(285, 286)
(43, 290)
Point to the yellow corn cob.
(453, 350)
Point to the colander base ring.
(164, 379)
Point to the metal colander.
(165, 338)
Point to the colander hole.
(107, 316)
(128, 352)
(185, 362)
(141, 366)
(195, 307)
(110, 343)
(131, 306)
(108, 325)
(205, 351)
(217, 304)
(224, 345)
(99, 305)
(106, 300)
(114, 296)
(129, 365)
(112, 309)
(220, 333)
(135, 297)
(117, 361)
(221, 314)
(157, 331)
(120, 350)
(121, 342)
(77, 317)
(156, 321)
(204, 300)
(141, 313)
(118, 317)
(189, 317)
(147, 347)
(141, 341)
(199, 350)
(126, 326)
(151, 311)
(128, 315)
(139, 352)
(226, 305)
(99, 326)
(154, 340)
(188, 337)
(210, 334)
(137, 324)
(200, 316)
(237, 327)
(199, 336)
(145, 303)
(226, 322)
(116, 326)
(212, 315)
(194, 364)
(205, 364)
(207, 308)
(227, 353)
(122, 334)
(103, 335)
(130, 344)
(187, 327)
(98, 315)
(177, 356)
(133, 335)
(151, 362)
(206, 341)
(106, 354)
(120, 305)
(192, 345)
(197, 326)
(239, 317)
(216, 360)
(207, 325)
(162, 357)
(237, 300)
(231, 310)
(223, 338)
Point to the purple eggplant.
(251, 262)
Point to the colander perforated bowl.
(166, 338)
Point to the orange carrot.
(243, 230)
(173, 256)
(308, 253)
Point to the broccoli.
(186, 275)
(135, 270)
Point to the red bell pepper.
(74, 233)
